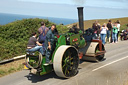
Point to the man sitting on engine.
(34, 45)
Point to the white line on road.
(110, 63)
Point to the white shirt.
(103, 30)
(118, 26)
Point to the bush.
(14, 36)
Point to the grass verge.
(11, 67)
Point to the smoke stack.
(81, 20)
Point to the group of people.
(109, 29)
(124, 34)
(44, 43)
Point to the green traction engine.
(68, 50)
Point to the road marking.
(110, 63)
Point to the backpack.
(42, 36)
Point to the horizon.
(6, 18)
(34, 16)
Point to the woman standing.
(114, 34)
(103, 33)
(118, 26)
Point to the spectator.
(34, 45)
(127, 26)
(124, 34)
(103, 33)
(109, 31)
(96, 26)
(118, 26)
(49, 42)
(114, 34)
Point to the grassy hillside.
(88, 23)
(14, 36)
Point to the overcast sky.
(57, 8)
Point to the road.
(112, 71)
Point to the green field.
(123, 21)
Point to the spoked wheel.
(100, 57)
(66, 61)
(33, 60)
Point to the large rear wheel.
(66, 61)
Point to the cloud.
(118, 4)
(79, 2)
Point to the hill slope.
(88, 23)
(14, 36)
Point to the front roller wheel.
(66, 61)
(101, 56)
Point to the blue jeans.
(114, 37)
(108, 34)
(36, 48)
(103, 38)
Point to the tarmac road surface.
(112, 71)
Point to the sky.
(64, 8)
(93, 3)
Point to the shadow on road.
(81, 61)
(37, 78)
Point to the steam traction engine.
(69, 49)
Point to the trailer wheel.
(66, 61)
(33, 60)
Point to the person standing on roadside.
(103, 33)
(109, 31)
(114, 34)
(118, 26)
